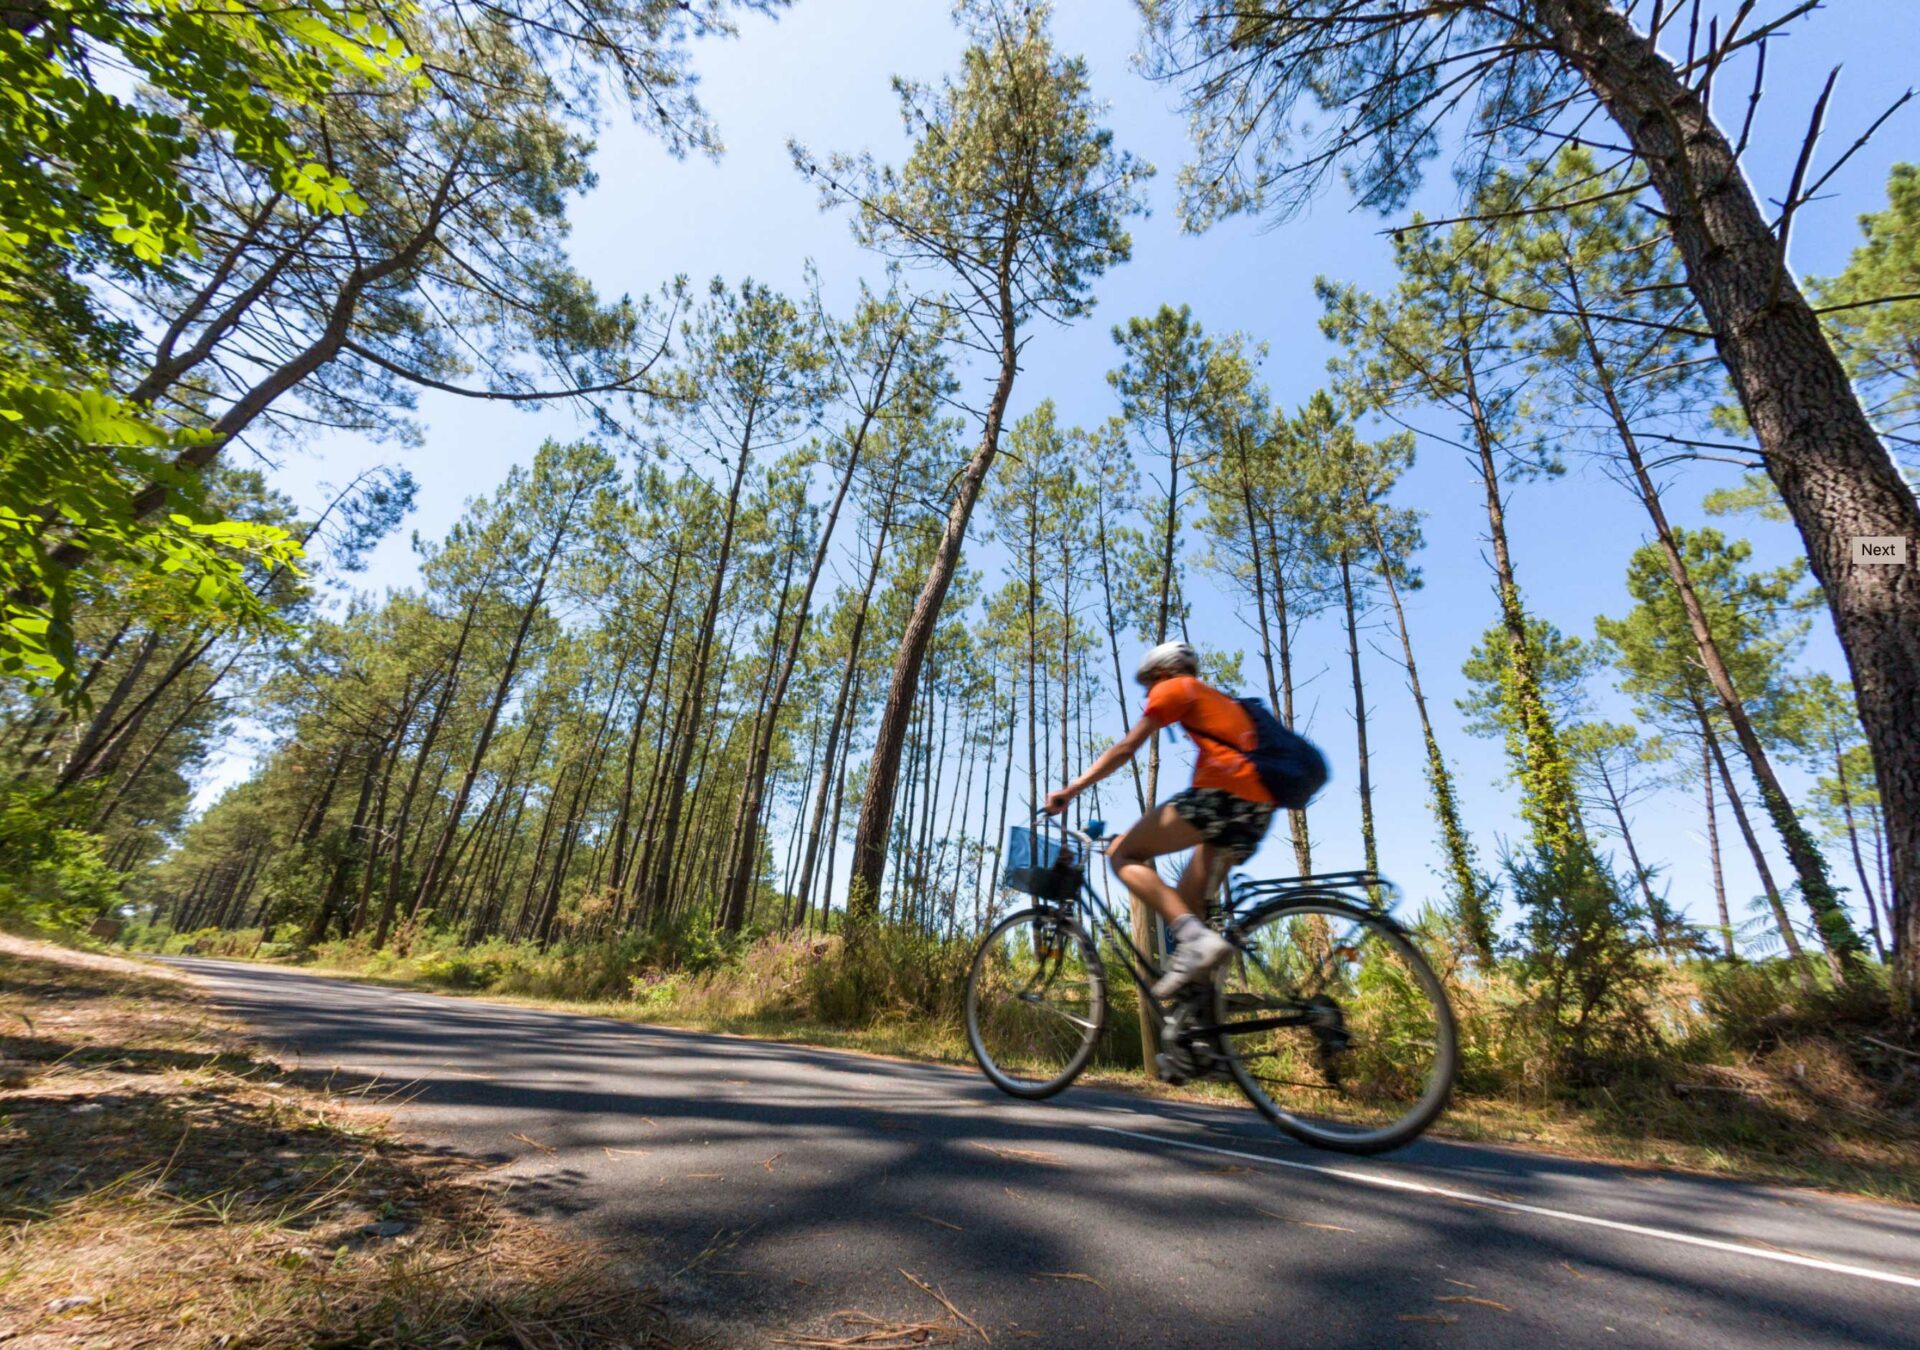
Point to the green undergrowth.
(1733, 1069)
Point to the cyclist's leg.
(1161, 830)
(1202, 873)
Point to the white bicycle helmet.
(1169, 658)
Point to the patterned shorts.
(1231, 824)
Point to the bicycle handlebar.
(1095, 842)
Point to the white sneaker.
(1192, 961)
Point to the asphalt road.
(772, 1186)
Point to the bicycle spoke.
(1034, 1003)
(1364, 1045)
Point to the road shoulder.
(170, 1183)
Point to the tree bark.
(1785, 925)
(691, 703)
(883, 775)
(1853, 842)
(757, 764)
(449, 690)
(1713, 850)
(1547, 796)
(1297, 826)
(1103, 546)
(1470, 893)
(1837, 934)
(371, 863)
(1641, 876)
(742, 869)
(432, 877)
(619, 865)
(581, 803)
(356, 836)
(1367, 841)
(1832, 471)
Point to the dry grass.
(1812, 1110)
(165, 1187)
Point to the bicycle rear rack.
(1240, 890)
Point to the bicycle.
(1327, 1016)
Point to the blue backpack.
(1290, 766)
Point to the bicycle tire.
(983, 968)
(1318, 1131)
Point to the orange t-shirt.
(1218, 718)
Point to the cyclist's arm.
(1110, 759)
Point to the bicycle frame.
(1144, 972)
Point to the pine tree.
(1015, 189)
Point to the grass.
(1804, 1100)
(166, 1186)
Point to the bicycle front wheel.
(1036, 1002)
(1346, 1041)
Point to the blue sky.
(820, 73)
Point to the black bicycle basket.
(1044, 864)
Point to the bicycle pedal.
(1170, 1069)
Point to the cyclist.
(1222, 817)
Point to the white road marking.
(1422, 1188)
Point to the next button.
(1874, 549)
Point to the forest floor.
(1835, 1111)
(165, 1185)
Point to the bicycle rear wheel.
(1036, 1002)
(1367, 1056)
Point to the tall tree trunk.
(1367, 841)
(680, 870)
(1785, 925)
(883, 775)
(1642, 877)
(434, 873)
(1853, 842)
(1033, 650)
(104, 718)
(839, 805)
(1297, 826)
(449, 690)
(1837, 935)
(133, 776)
(666, 752)
(757, 762)
(1713, 850)
(839, 724)
(796, 904)
(990, 731)
(111, 746)
(1103, 547)
(487, 921)
(356, 845)
(1832, 470)
(48, 717)
(521, 925)
(1548, 801)
(936, 770)
(619, 867)
(582, 802)
(1066, 654)
(1006, 788)
(1470, 896)
(959, 809)
(371, 863)
(742, 871)
(692, 704)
